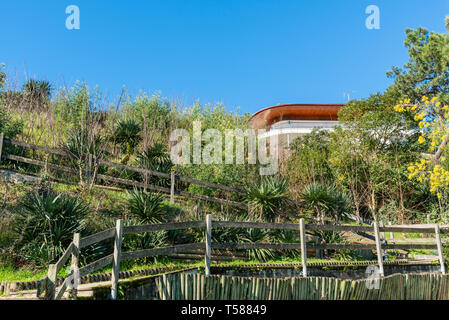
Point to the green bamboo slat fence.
(396, 287)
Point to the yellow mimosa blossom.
(421, 140)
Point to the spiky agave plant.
(255, 236)
(45, 223)
(266, 200)
(146, 207)
(325, 200)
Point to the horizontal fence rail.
(48, 284)
(127, 182)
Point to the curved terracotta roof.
(297, 111)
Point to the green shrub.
(146, 207)
(266, 200)
(45, 222)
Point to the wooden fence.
(91, 162)
(185, 286)
(48, 287)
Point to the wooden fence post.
(89, 169)
(302, 231)
(382, 237)
(378, 249)
(50, 290)
(440, 248)
(172, 187)
(1, 144)
(208, 243)
(116, 259)
(75, 266)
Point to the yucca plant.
(267, 199)
(127, 134)
(254, 236)
(80, 144)
(37, 92)
(45, 223)
(146, 207)
(156, 158)
(325, 200)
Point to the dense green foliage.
(361, 168)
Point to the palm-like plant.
(82, 143)
(146, 206)
(325, 200)
(45, 223)
(156, 158)
(37, 92)
(267, 198)
(254, 236)
(127, 133)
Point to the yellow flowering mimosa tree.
(432, 117)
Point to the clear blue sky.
(244, 53)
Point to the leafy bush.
(146, 206)
(310, 153)
(10, 128)
(266, 199)
(2, 76)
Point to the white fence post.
(378, 249)
(440, 248)
(302, 231)
(172, 187)
(75, 266)
(116, 261)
